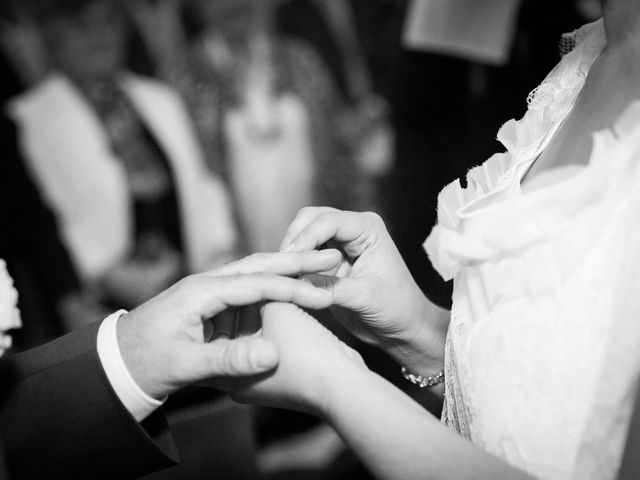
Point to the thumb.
(238, 357)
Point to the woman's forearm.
(397, 439)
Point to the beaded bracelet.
(424, 382)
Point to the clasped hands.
(292, 361)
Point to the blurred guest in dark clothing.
(30, 244)
(114, 158)
(371, 26)
(357, 40)
(10, 84)
(23, 59)
(260, 100)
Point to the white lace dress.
(543, 350)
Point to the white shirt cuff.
(134, 399)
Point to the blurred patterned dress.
(272, 126)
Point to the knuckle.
(307, 210)
(227, 363)
(239, 357)
(325, 217)
(375, 222)
(188, 285)
(374, 218)
(259, 277)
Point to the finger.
(279, 314)
(346, 292)
(209, 295)
(351, 229)
(232, 358)
(288, 264)
(304, 217)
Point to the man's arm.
(63, 419)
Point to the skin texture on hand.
(164, 341)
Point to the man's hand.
(164, 341)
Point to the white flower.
(9, 313)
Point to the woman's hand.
(312, 362)
(373, 283)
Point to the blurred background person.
(125, 204)
(30, 242)
(23, 58)
(115, 158)
(354, 38)
(266, 109)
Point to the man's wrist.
(132, 396)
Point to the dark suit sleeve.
(63, 420)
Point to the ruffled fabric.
(548, 314)
(543, 350)
(498, 179)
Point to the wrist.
(421, 347)
(132, 347)
(126, 388)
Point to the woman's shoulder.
(498, 178)
(547, 105)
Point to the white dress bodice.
(543, 350)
